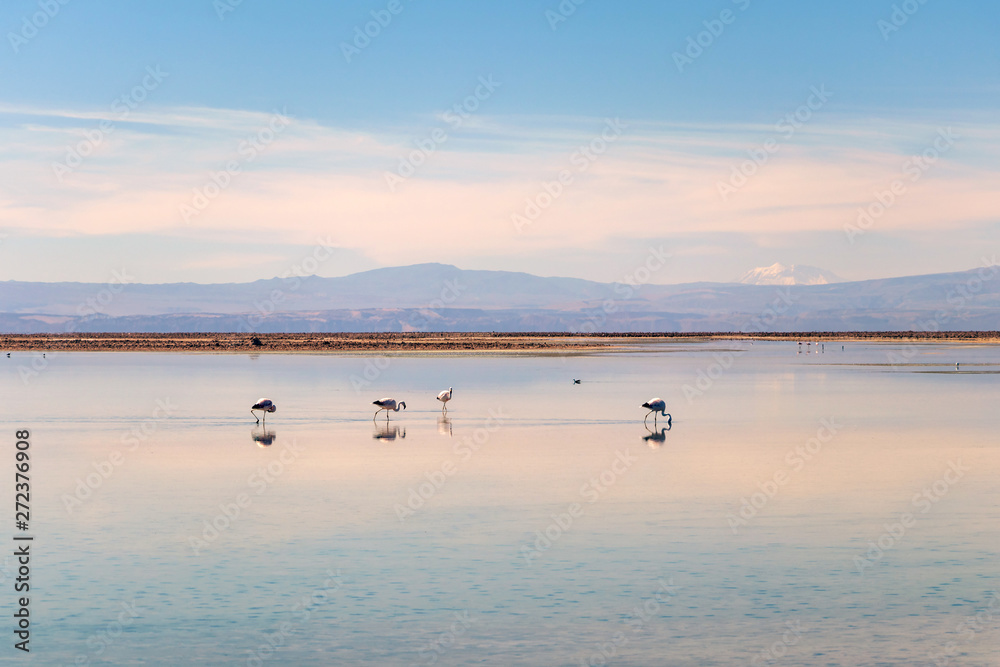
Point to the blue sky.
(893, 88)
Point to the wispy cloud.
(656, 181)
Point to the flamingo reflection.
(656, 438)
(263, 437)
(388, 432)
(444, 425)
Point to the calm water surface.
(803, 509)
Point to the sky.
(232, 140)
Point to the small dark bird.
(575, 381)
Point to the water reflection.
(444, 425)
(462, 549)
(263, 437)
(388, 431)
(656, 438)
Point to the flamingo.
(265, 405)
(656, 406)
(387, 404)
(444, 397)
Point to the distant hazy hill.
(779, 274)
(436, 297)
(414, 286)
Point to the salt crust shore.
(436, 342)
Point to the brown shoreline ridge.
(417, 342)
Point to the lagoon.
(804, 508)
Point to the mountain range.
(438, 297)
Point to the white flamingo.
(387, 404)
(265, 405)
(444, 397)
(656, 406)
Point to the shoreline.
(437, 342)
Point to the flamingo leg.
(376, 414)
(647, 417)
(255, 416)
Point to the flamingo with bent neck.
(387, 404)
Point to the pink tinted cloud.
(321, 182)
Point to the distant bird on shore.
(265, 405)
(387, 404)
(656, 406)
(575, 381)
(444, 397)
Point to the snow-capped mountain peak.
(779, 274)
